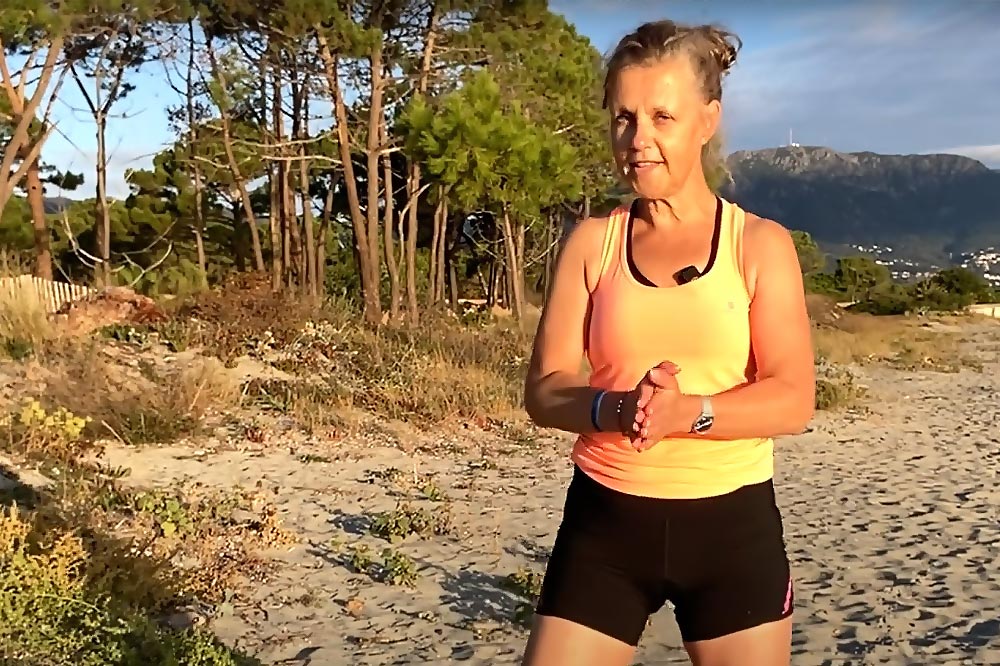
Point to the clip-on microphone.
(687, 274)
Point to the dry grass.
(428, 375)
(442, 369)
(24, 324)
(844, 340)
(135, 401)
(905, 342)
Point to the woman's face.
(659, 124)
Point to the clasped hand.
(652, 406)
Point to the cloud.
(885, 76)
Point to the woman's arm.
(781, 400)
(556, 392)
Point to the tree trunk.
(234, 167)
(324, 233)
(549, 252)
(274, 228)
(442, 259)
(432, 289)
(36, 199)
(514, 244)
(199, 210)
(239, 234)
(273, 215)
(287, 222)
(286, 215)
(413, 178)
(450, 269)
(390, 252)
(369, 286)
(199, 242)
(199, 227)
(453, 287)
(410, 243)
(308, 223)
(309, 258)
(309, 283)
(21, 143)
(491, 289)
(251, 220)
(102, 219)
(375, 121)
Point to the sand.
(892, 520)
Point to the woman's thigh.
(735, 597)
(603, 579)
(764, 645)
(555, 641)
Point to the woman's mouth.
(645, 165)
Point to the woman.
(692, 316)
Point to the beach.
(891, 509)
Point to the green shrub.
(836, 388)
(55, 611)
(888, 300)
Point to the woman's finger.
(646, 391)
(662, 378)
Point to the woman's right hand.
(634, 402)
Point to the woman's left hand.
(660, 406)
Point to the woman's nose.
(641, 134)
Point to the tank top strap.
(610, 249)
(731, 242)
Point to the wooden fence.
(988, 309)
(51, 293)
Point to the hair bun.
(726, 46)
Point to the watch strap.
(706, 418)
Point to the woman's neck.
(694, 203)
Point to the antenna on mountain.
(791, 142)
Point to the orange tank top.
(703, 326)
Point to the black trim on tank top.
(642, 279)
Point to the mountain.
(56, 204)
(928, 208)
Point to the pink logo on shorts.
(788, 597)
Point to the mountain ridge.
(931, 207)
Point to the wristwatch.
(705, 419)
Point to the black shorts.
(720, 561)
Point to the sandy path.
(892, 520)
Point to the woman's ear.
(712, 114)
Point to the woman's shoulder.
(766, 245)
(586, 239)
(588, 243)
(593, 229)
(764, 236)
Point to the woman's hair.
(711, 49)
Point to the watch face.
(703, 423)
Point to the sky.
(900, 76)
